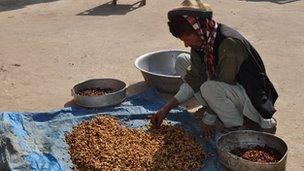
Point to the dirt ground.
(46, 48)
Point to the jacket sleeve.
(185, 93)
(231, 56)
(196, 72)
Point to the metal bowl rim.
(150, 53)
(240, 158)
(114, 92)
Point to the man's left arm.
(231, 56)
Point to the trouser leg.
(224, 100)
(231, 104)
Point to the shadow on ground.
(8, 5)
(70, 103)
(273, 1)
(136, 88)
(110, 9)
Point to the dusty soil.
(47, 48)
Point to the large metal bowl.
(248, 139)
(110, 99)
(158, 69)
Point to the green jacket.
(231, 54)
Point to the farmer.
(223, 72)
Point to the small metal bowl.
(111, 99)
(158, 69)
(249, 139)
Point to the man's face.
(192, 40)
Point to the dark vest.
(252, 74)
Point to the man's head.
(181, 28)
(192, 22)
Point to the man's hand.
(208, 130)
(158, 117)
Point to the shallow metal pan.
(111, 99)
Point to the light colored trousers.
(230, 102)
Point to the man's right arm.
(185, 93)
(194, 78)
(196, 72)
(161, 114)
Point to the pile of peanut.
(103, 144)
(95, 92)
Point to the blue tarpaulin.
(36, 141)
